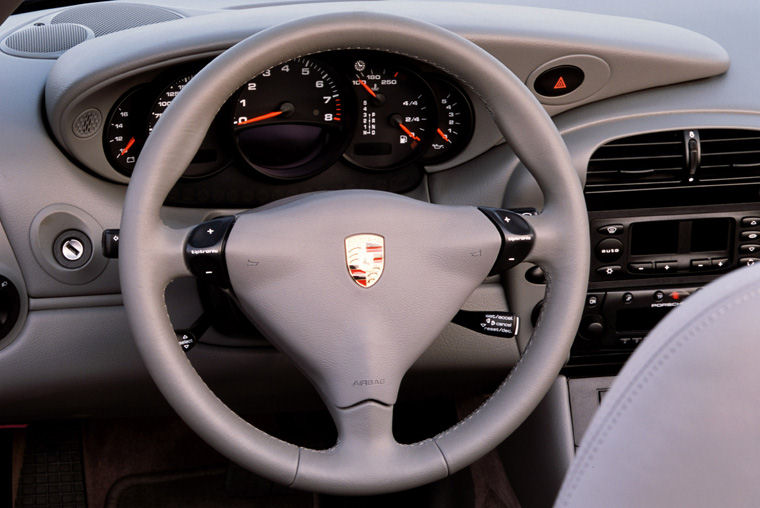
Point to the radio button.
(666, 266)
(609, 249)
(700, 264)
(594, 300)
(610, 272)
(719, 262)
(750, 235)
(750, 222)
(640, 267)
(678, 295)
(611, 229)
(749, 248)
(748, 261)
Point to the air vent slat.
(729, 155)
(644, 160)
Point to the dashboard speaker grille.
(45, 41)
(87, 123)
(639, 161)
(107, 18)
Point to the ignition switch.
(72, 249)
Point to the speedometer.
(396, 116)
(291, 121)
(165, 98)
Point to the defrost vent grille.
(107, 18)
(680, 158)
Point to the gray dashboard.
(71, 352)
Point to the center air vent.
(683, 158)
(644, 160)
(729, 155)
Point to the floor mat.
(52, 472)
(208, 488)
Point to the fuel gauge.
(455, 121)
(396, 116)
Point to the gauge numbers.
(290, 121)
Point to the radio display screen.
(710, 234)
(659, 237)
(673, 237)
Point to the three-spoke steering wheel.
(354, 343)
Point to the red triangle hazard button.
(560, 84)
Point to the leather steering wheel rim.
(364, 461)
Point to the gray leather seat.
(681, 424)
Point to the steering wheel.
(286, 264)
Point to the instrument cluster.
(375, 112)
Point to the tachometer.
(291, 121)
(396, 116)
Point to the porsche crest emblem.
(365, 258)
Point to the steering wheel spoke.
(366, 451)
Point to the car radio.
(619, 320)
(629, 248)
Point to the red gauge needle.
(261, 117)
(407, 131)
(126, 148)
(367, 88)
(445, 138)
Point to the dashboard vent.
(655, 159)
(107, 18)
(729, 155)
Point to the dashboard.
(362, 119)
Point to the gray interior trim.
(75, 302)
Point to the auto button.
(609, 249)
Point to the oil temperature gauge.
(455, 121)
(396, 116)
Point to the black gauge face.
(455, 122)
(395, 116)
(292, 120)
(125, 131)
(165, 98)
(133, 119)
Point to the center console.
(645, 264)
(668, 213)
